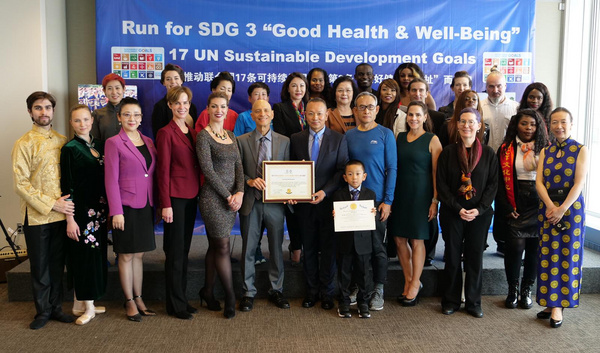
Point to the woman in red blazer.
(178, 186)
(130, 159)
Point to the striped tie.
(262, 156)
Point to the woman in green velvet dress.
(82, 177)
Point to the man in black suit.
(354, 248)
(257, 146)
(329, 150)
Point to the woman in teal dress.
(415, 199)
(82, 177)
(559, 182)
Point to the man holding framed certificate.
(256, 147)
(329, 151)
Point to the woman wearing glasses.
(467, 179)
(340, 117)
(449, 131)
(130, 160)
(375, 146)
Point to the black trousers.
(291, 220)
(176, 244)
(318, 237)
(379, 259)
(513, 255)
(473, 235)
(46, 251)
(430, 244)
(354, 268)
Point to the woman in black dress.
(82, 177)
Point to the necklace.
(137, 139)
(221, 136)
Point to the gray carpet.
(268, 329)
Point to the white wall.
(33, 42)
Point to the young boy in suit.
(354, 248)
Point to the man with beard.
(35, 162)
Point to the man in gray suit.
(257, 146)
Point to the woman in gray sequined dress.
(220, 198)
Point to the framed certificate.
(288, 180)
(353, 216)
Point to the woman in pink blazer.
(178, 185)
(130, 159)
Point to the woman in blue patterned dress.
(559, 182)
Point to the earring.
(477, 131)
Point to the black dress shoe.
(327, 303)
(277, 298)
(61, 317)
(246, 304)
(544, 315)
(475, 312)
(309, 301)
(183, 315)
(38, 323)
(448, 310)
(190, 309)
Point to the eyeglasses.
(474, 99)
(469, 123)
(370, 107)
(129, 115)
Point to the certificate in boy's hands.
(353, 216)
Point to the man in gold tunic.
(36, 172)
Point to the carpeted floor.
(268, 329)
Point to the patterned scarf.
(507, 158)
(300, 114)
(468, 161)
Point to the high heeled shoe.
(146, 312)
(557, 323)
(211, 303)
(412, 302)
(137, 317)
(229, 311)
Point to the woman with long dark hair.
(318, 84)
(537, 97)
(518, 157)
(415, 201)
(404, 75)
(389, 98)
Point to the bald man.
(262, 144)
(497, 109)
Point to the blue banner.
(266, 40)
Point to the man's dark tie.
(262, 156)
(354, 194)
